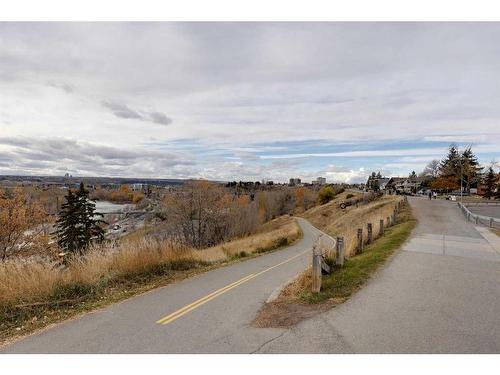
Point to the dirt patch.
(283, 314)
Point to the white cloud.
(237, 86)
(52, 155)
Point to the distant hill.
(92, 180)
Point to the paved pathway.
(440, 294)
(208, 313)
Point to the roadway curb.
(276, 292)
(492, 239)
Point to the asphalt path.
(208, 313)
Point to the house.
(377, 183)
(405, 185)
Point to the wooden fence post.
(369, 230)
(381, 230)
(394, 217)
(360, 240)
(339, 256)
(316, 269)
(491, 222)
(388, 221)
(476, 219)
(468, 216)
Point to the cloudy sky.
(245, 100)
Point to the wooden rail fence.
(319, 264)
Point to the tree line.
(461, 170)
(199, 214)
(204, 214)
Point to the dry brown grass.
(268, 238)
(36, 280)
(331, 219)
(28, 280)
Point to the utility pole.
(461, 180)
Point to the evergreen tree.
(89, 217)
(450, 166)
(413, 176)
(489, 183)
(78, 223)
(68, 232)
(471, 170)
(379, 175)
(497, 192)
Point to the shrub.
(326, 195)
(282, 241)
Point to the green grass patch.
(343, 282)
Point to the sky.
(245, 101)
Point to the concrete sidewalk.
(440, 294)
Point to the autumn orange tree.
(21, 223)
(123, 194)
(445, 183)
(300, 193)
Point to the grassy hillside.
(335, 221)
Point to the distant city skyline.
(245, 101)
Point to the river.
(106, 207)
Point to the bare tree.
(21, 223)
(204, 214)
(201, 213)
(431, 169)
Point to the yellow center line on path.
(194, 305)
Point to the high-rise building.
(321, 180)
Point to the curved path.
(208, 313)
(440, 294)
